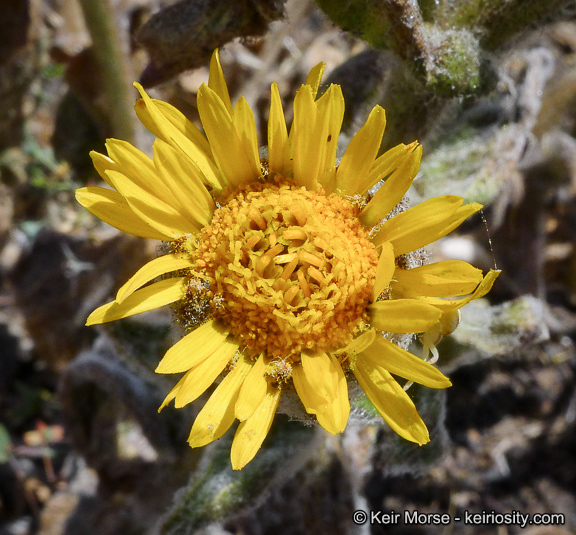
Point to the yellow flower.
(290, 275)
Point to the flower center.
(289, 269)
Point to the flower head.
(290, 276)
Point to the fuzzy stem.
(109, 50)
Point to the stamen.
(304, 284)
(258, 219)
(291, 294)
(295, 234)
(315, 274)
(253, 241)
(310, 258)
(273, 239)
(262, 264)
(199, 275)
(279, 284)
(266, 258)
(289, 269)
(278, 248)
(285, 258)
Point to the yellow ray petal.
(447, 305)
(253, 391)
(199, 378)
(227, 148)
(384, 270)
(313, 83)
(152, 210)
(451, 314)
(442, 279)
(389, 356)
(403, 316)
(139, 168)
(151, 270)
(194, 348)
(321, 374)
(217, 415)
(112, 208)
(103, 163)
(382, 167)
(172, 394)
(246, 128)
(391, 401)
(154, 296)
(397, 184)
(170, 118)
(360, 342)
(183, 180)
(361, 152)
(306, 162)
(425, 223)
(310, 398)
(334, 416)
(330, 115)
(251, 433)
(217, 82)
(392, 191)
(315, 77)
(150, 112)
(278, 146)
(331, 416)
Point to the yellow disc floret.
(289, 269)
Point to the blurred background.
(488, 88)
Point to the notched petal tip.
(140, 102)
(217, 82)
(315, 77)
(251, 433)
(156, 295)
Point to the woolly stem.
(111, 55)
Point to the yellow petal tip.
(91, 321)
